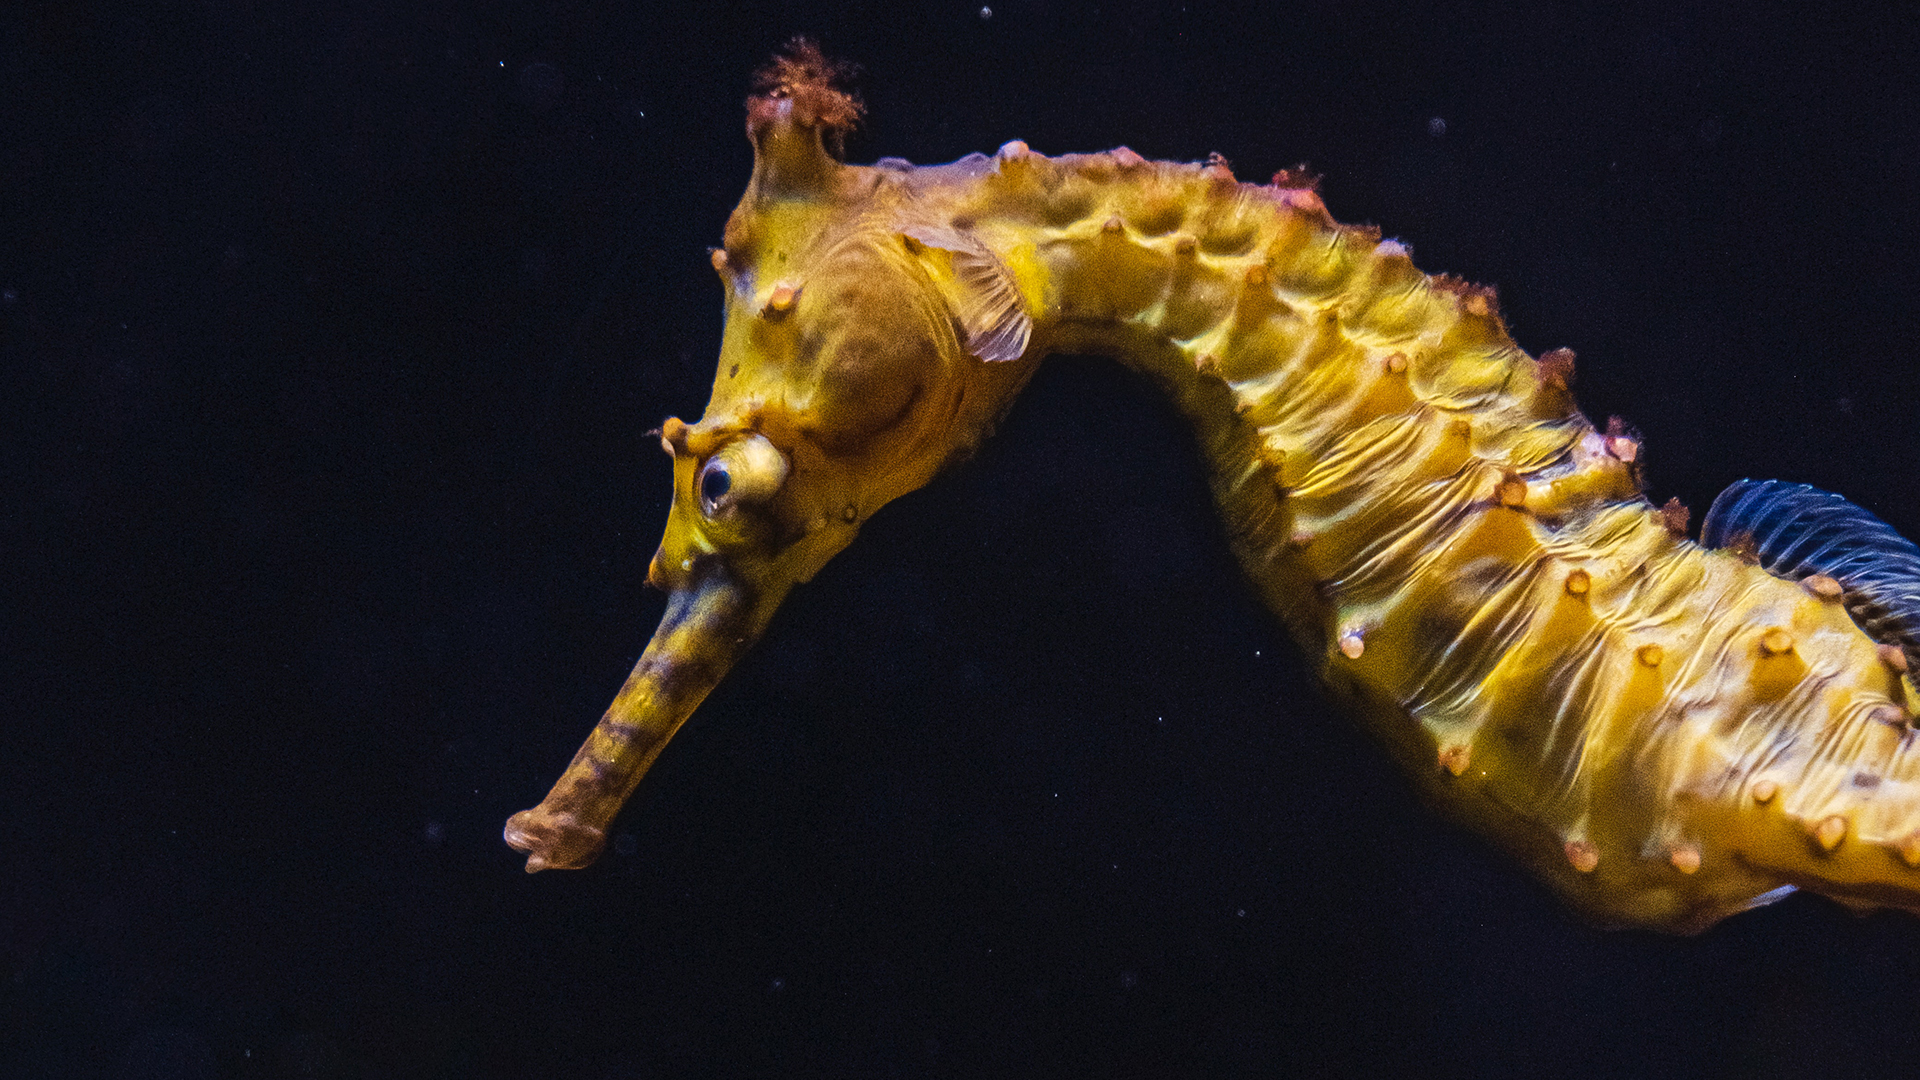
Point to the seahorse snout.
(706, 627)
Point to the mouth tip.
(554, 840)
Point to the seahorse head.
(870, 339)
(865, 347)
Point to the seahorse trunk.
(1667, 734)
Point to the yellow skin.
(1666, 734)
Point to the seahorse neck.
(1291, 342)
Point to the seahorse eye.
(747, 471)
(715, 481)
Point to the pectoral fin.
(987, 302)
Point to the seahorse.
(1666, 732)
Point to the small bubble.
(986, 13)
(1436, 127)
(777, 984)
(1243, 913)
(436, 832)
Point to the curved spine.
(1665, 732)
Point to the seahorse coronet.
(1666, 734)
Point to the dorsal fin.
(988, 305)
(1797, 531)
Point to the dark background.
(328, 335)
